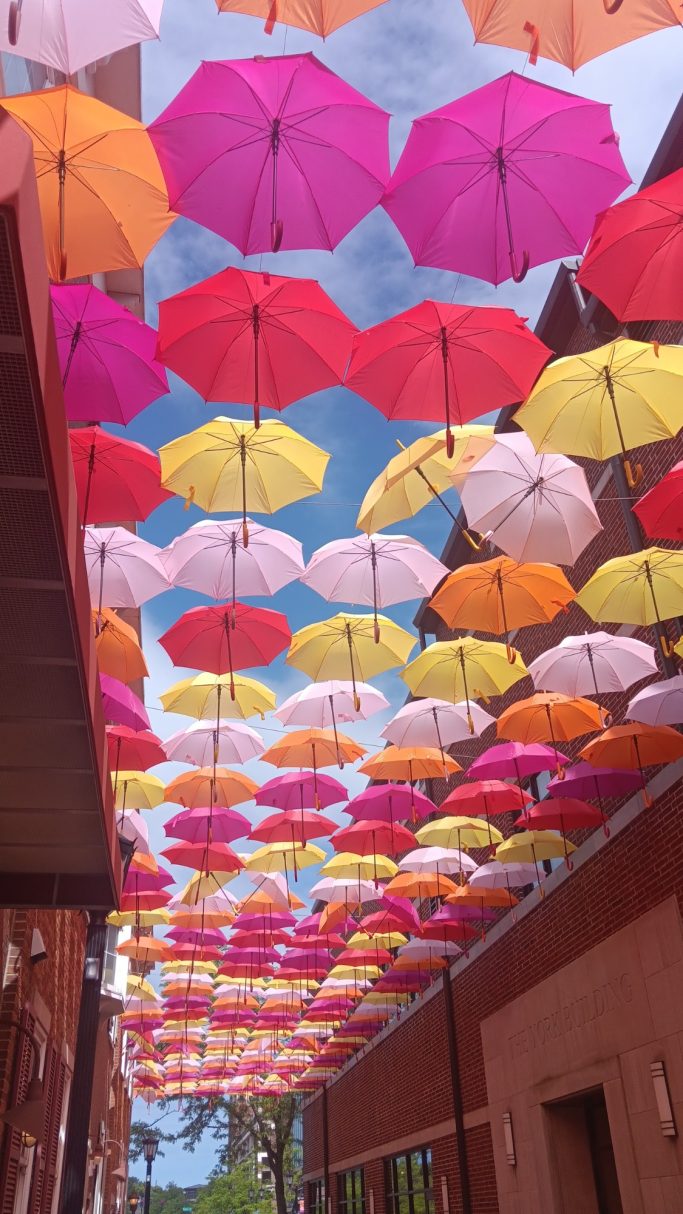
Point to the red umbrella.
(634, 261)
(441, 361)
(205, 857)
(293, 826)
(486, 797)
(131, 751)
(563, 814)
(255, 338)
(660, 511)
(115, 478)
(373, 838)
(226, 638)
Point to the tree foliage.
(236, 1191)
(168, 1200)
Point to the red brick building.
(545, 1072)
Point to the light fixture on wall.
(509, 1140)
(663, 1099)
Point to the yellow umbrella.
(138, 790)
(377, 940)
(606, 401)
(103, 199)
(420, 474)
(208, 695)
(352, 971)
(233, 465)
(345, 644)
(464, 669)
(534, 846)
(143, 918)
(346, 864)
(139, 988)
(462, 833)
(640, 588)
(283, 857)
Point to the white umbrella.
(495, 875)
(323, 704)
(342, 889)
(123, 570)
(211, 557)
(659, 704)
(533, 507)
(202, 744)
(70, 34)
(593, 663)
(433, 722)
(442, 860)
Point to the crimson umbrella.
(660, 511)
(293, 826)
(373, 837)
(206, 857)
(486, 797)
(634, 261)
(255, 338)
(133, 750)
(115, 478)
(226, 638)
(449, 362)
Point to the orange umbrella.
(118, 649)
(420, 885)
(103, 199)
(314, 748)
(322, 17)
(634, 747)
(550, 717)
(483, 898)
(147, 949)
(409, 763)
(499, 595)
(202, 787)
(261, 900)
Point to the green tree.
(168, 1200)
(235, 1192)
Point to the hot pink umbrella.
(310, 153)
(193, 825)
(390, 803)
(593, 663)
(68, 35)
(507, 177)
(211, 557)
(123, 570)
(121, 706)
(301, 790)
(106, 356)
(515, 759)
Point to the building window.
(316, 1197)
(351, 1192)
(408, 1183)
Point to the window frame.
(355, 1204)
(400, 1199)
(316, 1196)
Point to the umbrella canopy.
(118, 649)
(123, 570)
(255, 338)
(533, 507)
(226, 638)
(634, 259)
(634, 747)
(293, 826)
(390, 803)
(195, 788)
(64, 35)
(138, 790)
(102, 196)
(640, 588)
(311, 153)
(549, 717)
(212, 557)
(660, 511)
(449, 362)
(232, 465)
(409, 763)
(486, 797)
(283, 857)
(322, 17)
(499, 595)
(106, 356)
(593, 663)
(115, 478)
(493, 875)
(563, 814)
(459, 831)
(481, 185)
(464, 669)
(370, 838)
(201, 743)
(515, 759)
(586, 781)
(208, 695)
(301, 790)
(533, 847)
(313, 748)
(323, 704)
(606, 401)
(348, 645)
(437, 860)
(194, 825)
(421, 885)
(431, 722)
(121, 706)
(133, 750)
(659, 704)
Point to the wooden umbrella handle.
(14, 21)
(613, 7)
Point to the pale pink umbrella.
(659, 704)
(70, 34)
(375, 570)
(342, 889)
(324, 704)
(495, 875)
(202, 744)
(133, 827)
(533, 507)
(123, 570)
(507, 177)
(594, 663)
(310, 153)
(432, 722)
(440, 860)
(211, 557)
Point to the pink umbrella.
(121, 706)
(390, 803)
(297, 790)
(592, 664)
(310, 153)
(376, 570)
(659, 704)
(482, 186)
(132, 826)
(432, 722)
(106, 356)
(193, 825)
(202, 744)
(65, 35)
(515, 759)
(533, 507)
(211, 557)
(495, 875)
(123, 570)
(588, 782)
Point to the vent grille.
(35, 623)
(28, 546)
(10, 320)
(20, 453)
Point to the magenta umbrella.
(301, 790)
(193, 825)
(106, 356)
(515, 759)
(121, 705)
(390, 803)
(507, 177)
(273, 152)
(587, 782)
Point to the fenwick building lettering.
(574, 1016)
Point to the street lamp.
(150, 1147)
(133, 1202)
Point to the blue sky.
(409, 56)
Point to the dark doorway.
(584, 1155)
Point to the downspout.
(456, 1092)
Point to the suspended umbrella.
(533, 507)
(133, 751)
(493, 875)
(290, 131)
(106, 357)
(460, 832)
(481, 185)
(640, 588)
(348, 892)
(460, 825)
(211, 557)
(533, 847)
(103, 200)
(121, 706)
(202, 743)
(462, 670)
(606, 401)
(352, 866)
(487, 797)
(592, 664)
(431, 722)
(659, 704)
(635, 747)
(421, 886)
(313, 748)
(64, 36)
(563, 30)
(194, 825)
(448, 860)
(563, 814)
(301, 790)
(134, 828)
(283, 858)
(390, 803)
(501, 595)
(226, 638)
(324, 704)
(231, 465)
(371, 837)
(551, 717)
(449, 362)
(660, 510)
(482, 902)
(584, 780)
(255, 338)
(515, 760)
(196, 788)
(206, 857)
(634, 258)
(322, 17)
(118, 649)
(137, 790)
(296, 826)
(147, 949)
(115, 478)
(208, 695)
(347, 644)
(123, 570)
(409, 763)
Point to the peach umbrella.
(321, 17)
(206, 786)
(118, 649)
(634, 747)
(420, 885)
(551, 717)
(409, 763)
